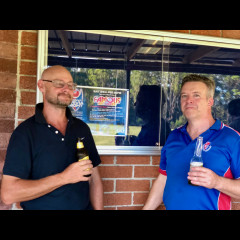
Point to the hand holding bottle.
(76, 172)
(82, 153)
(205, 177)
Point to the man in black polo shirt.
(41, 170)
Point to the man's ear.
(40, 85)
(210, 102)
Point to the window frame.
(164, 36)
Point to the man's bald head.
(55, 72)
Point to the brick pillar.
(8, 82)
(18, 70)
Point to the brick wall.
(18, 71)
(126, 179)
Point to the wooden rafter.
(134, 48)
(199, 53)
(63, 35)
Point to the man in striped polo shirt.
(218, 180)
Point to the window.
(131, 81)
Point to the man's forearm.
(17, 190)
(205, 177)
(25, 190)
(230, 187)
(156, 194)
(96, 190)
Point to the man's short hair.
(200, 78)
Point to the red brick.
(27, 82)
(28, 98)
(132, 185)
(107, 159)
(110, 199)
(2, 159)
(108, 185)
(9, 36)
(8, 50)
(140, 198)
(6, 126)
(28, 53)
(235, 200)
(231, 34)
(25, 112)
(115, 171)
(4, 139)
(7, 96)
(7, 110)
(146, 171)
(156, 160)
(161, 207)
(133, 160)
(29, 38)
(28, 68)
(212, 33)
(8, 80)
(235, 206)
(2, 155)
(8, 65)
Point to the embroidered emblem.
(207, 146)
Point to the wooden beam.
(134, 48)
(63, 35)
(199, 53)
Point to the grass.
(110, 140)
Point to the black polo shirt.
(37, 150)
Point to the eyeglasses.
(61, 84)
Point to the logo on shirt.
(207, 146)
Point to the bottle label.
(80, 145)
(196, 164)
(85, 158)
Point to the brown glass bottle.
(82, 153)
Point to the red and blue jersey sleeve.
(235, 160)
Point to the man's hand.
(204, 177)
(76, 171)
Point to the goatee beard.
(60, 103)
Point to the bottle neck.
(199, 146)
(80, 145)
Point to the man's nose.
(189, 99)
(65, 88)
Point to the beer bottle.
(82, 153)
(196, 160)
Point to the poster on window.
(105, 110)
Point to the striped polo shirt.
(221, 154)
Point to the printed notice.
(105, 110)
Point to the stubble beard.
(58, 102)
